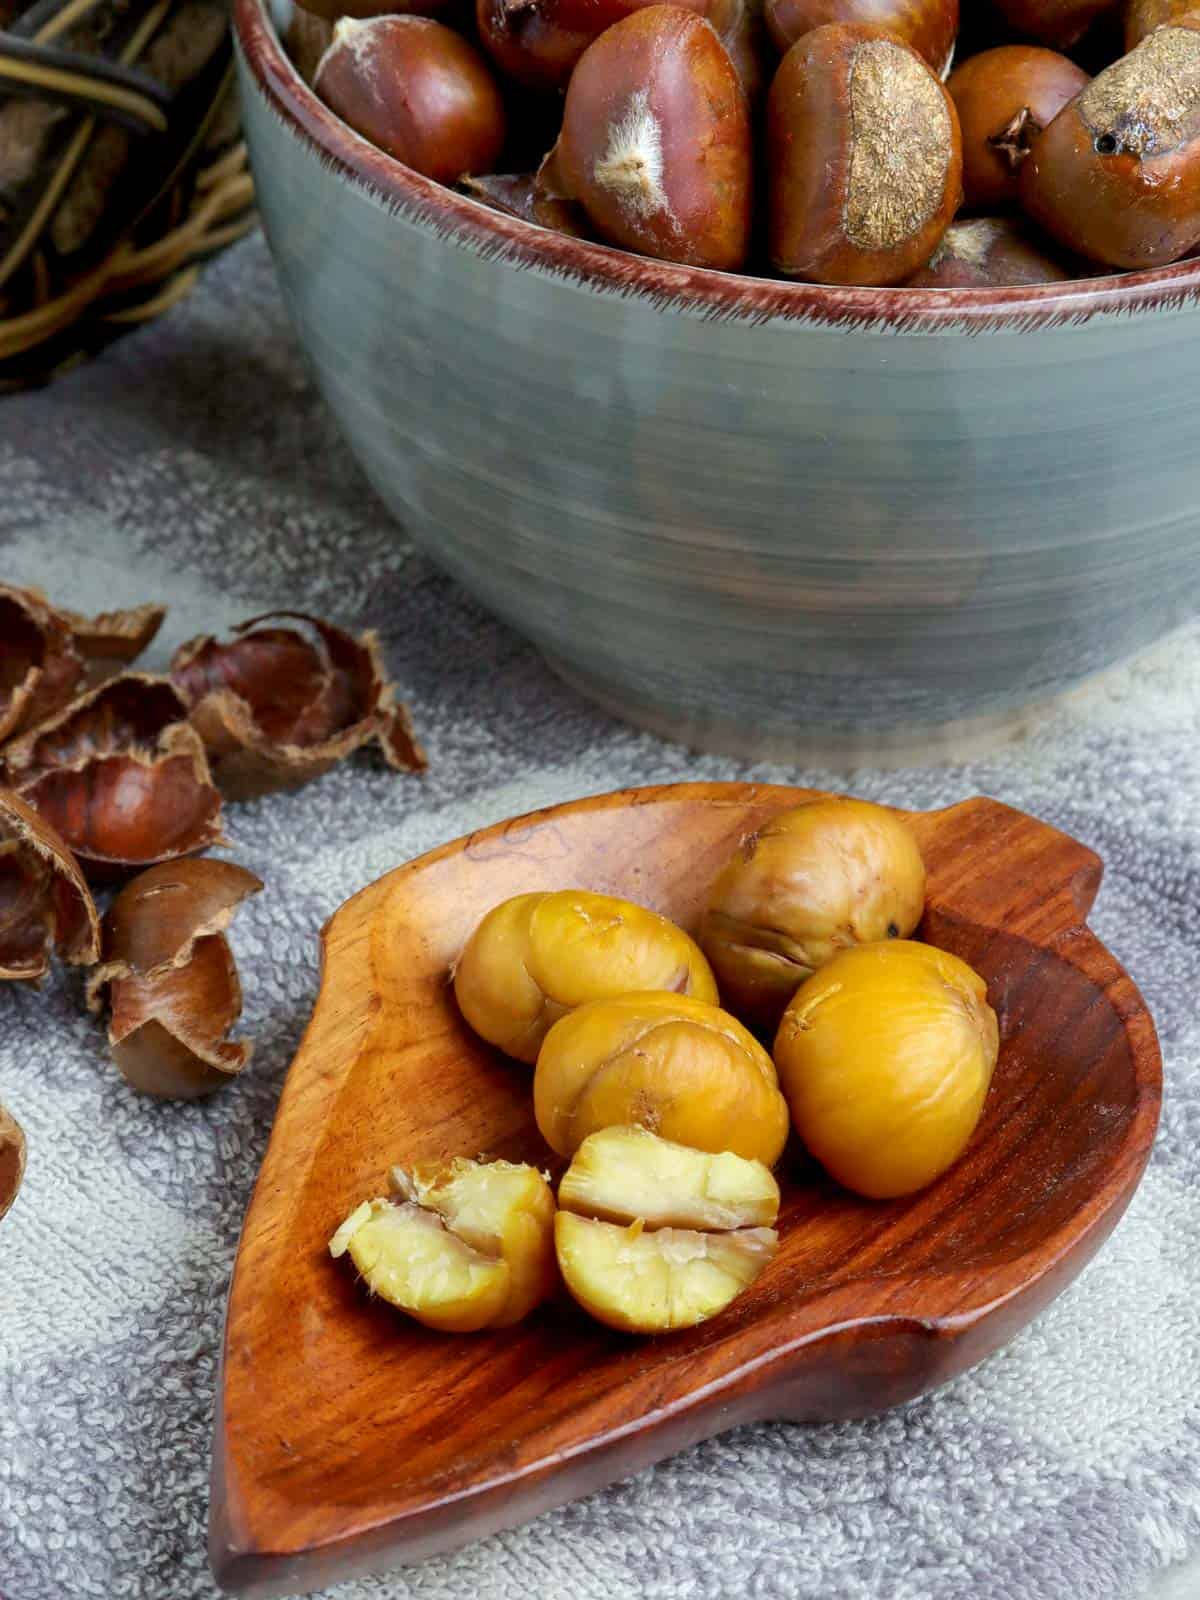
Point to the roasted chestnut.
(1004, 97)
(656, 142)
(1116, 176)
(929, 26)
(417, 91)
(864, 159)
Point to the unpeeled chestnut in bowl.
(864, 159)
(656, 141)
(929, 26)
(1004, 98)
(416, 90)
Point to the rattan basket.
(121, 170)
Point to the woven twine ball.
(121, 169)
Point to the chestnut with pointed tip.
(417, 91)
(656, 142)
(1058, 23)
(864, 159)
(929, 26)
(1143, 16)
(989, 253)
(1116, 175)
(537, 43)
(1004, 98)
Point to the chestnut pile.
(669, 1110)
(827, 141)
(110, 776)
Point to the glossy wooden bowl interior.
(349, 1438)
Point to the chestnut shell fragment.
(39, 663)
(122, 776)
(44, 901)
(276, 708)
(170, 978)
(12, 1159)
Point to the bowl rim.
(666, 285)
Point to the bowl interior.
(407, 1079)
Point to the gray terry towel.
(194, 464)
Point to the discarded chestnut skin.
(277, 707)
(1004, 98)
(1116, 176)
(656, 141)
(417, 91)
(12, 1160)
(169, 978)
(1058, 23)
(537, 42)
(1143, 16)
(44, 902)
(122, 775)
(864, 159)
(989, 253)
(929, 26)
(40, 665)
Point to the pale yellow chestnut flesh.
(676, 1066)
(827, 875)
(536, 957)
(626, 1174)
(469, 1245)
(885, 1056)
(652, 1282)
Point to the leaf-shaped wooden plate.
(349, 1439)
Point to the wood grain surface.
(349, 1439)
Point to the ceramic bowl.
(763, 517)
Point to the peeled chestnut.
(1116, 175)
(988, 253)
(864, 159)
(1004, 98)
(885, 1057)
(1058, 23)
(1143, 16)
(656, 142)
(831, 873)
(417, 91)
(538, 42)
(929, 26)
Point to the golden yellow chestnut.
(643, 1282)
(628, 1174)
(827, 875)
(885, 1056)
(677, 1066)
(469, 1244)
(536, 957)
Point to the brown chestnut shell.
(989, 253)
(44, 902)
(929, 26)
(12, 1159)
(1004, 98)
(1057, 23)
(40, 664)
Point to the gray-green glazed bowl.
(756, 516)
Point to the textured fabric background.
(194, 464)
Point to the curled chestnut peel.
(1004, 98)
(1116, 175)
(929, 26)
(864, 159)
(12, 1159)
(45, 905)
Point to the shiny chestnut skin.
(1116, 175)
(929, 26)
(1005, 97)
(1058, 23)
(451, 12)
(1143, 16)
(864, 159)
(538, 42)
(989, 253)
(656, 143)
(417, 91)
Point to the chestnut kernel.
(1116, 176)
(864, 159)
(1143, 16)
(656, 142)
(929, 26)
(417, 91)
(1004, 98)
(987, 253)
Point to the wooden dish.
(349, 1439)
